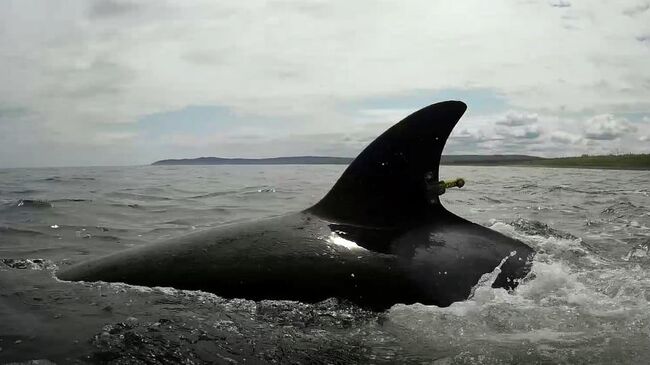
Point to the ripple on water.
(584, 301)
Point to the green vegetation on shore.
(622, 162)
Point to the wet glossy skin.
(296, 257)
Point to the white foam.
(550, 248)
(486, 280)
(541, 335)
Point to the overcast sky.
(121, 83)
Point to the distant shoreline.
(605, 162)
(294, 160)
(610, 162)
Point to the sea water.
(587, 299)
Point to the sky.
(131, 82)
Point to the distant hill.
(622, 162)
(487, 159)
(326, 160)
(296, 160)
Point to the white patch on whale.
(340, 241)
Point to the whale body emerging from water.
(379, 237)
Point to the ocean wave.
(27, 264)
(10, 231)
(214, 194)
(75, 200)
(60, 179)
(34, 203)
(638, 253)
(137, 196)
(550, 245)
(25, 191)
(127, 205)
(537, 228)
(623, 209)
(83, 178)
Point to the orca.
(379, 237)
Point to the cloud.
(470, 135)
(637, 9)
(606, 127)
(514, 119)
(548, 135)
(12, 113)
(565, 137)
(112, 138)
(644, 38)
(93, 67)
(110, 8)
(526, 132)
(559, 3)
(518, 125)
(509, 132)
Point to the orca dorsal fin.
(389, 183)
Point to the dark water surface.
(587, 299)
